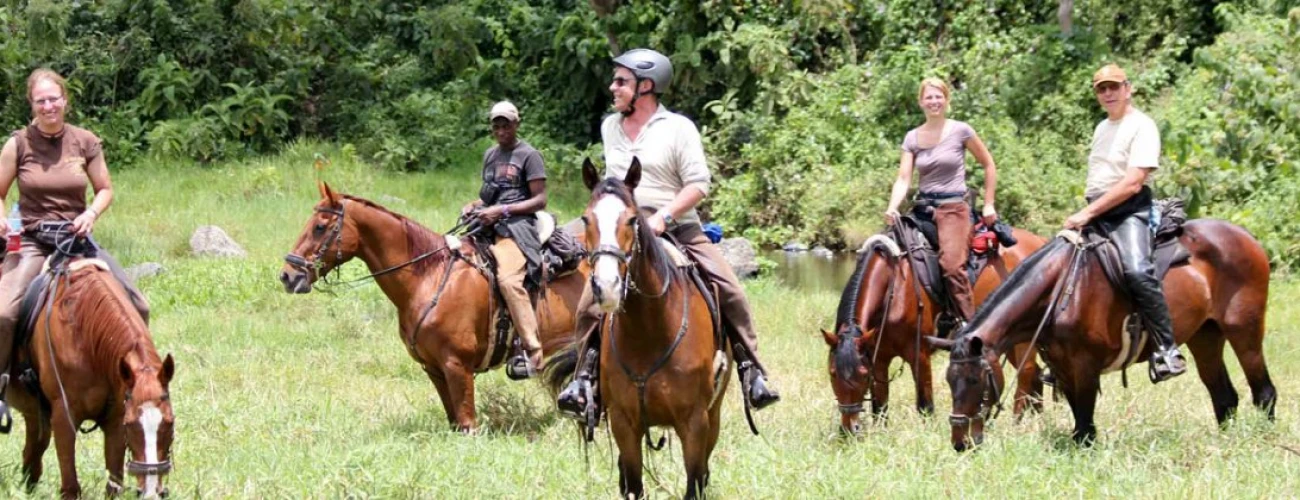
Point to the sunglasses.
(621, 81)
(47, 100)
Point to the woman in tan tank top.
(53, 162)
(937, 150)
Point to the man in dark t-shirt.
(514, 188)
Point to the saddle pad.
(77, 265)
(545, 226)
(675, 254)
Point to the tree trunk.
(1064, 14)
(605, 8)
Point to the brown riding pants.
(512, 268)
(953, 221)
(21, 268)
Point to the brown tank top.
(52, 176)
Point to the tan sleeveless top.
(52, 176)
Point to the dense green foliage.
(803, 102)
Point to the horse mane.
(419, 239)
(1026, 275)
(96, 307)
(845, 352)
(646, 239)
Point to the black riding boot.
(579, 396)
(752, 379)
(1133, 237)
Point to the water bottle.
(15, 240)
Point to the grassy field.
(281, 396)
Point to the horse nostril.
(284, 277)
(959, 446)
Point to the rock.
(145, 270)
(211, 241)
(794, 246)
(821, 251)
(740, 254)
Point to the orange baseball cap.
(1109, 73)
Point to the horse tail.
(561, 365)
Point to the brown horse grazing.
(1220, 295)
(95, 360)
(865, 342)
(445, 305)
(660, 362)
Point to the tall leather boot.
(752, 379)
(1166, 362)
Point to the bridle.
(316, 263)
(990, 400)
(147, 468)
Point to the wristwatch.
(667, 217)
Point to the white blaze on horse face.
(150, 420)
(608, 211)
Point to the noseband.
(991, 399)
(336, 233)
(623, 257)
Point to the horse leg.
(1029, 387)
(924, 378)
(880, 389)
(1247, 339)
(114, 456)
(1207, 347)
(1082, 395)
(65, 446)
(627, 435)
(695, 435)
(444, 393)
(460, 385)
(38, 440)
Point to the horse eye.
(585, 222)
(320, 227)
(631, 221)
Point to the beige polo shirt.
(1118, 145)
(671, 154)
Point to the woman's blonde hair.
(46, 74)
(937, 83)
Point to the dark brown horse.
(95, 361)
(445, 309)
(1219, 296)
(660, 363)
(866, 341)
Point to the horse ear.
(940, 344)
(830, 338)
(633, 176)
(327, 193)
(128, 376)
(590, 176)
(168, 369)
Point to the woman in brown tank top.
(53, 163)
(937, 150)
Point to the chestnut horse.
(1220, 295)
(660, 362)
(95, 360)
(865, 341)
(445, 305)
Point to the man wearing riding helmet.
(1125, 152)
(674, 178)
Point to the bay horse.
(659, 361)
(883, 314)
(95, 361)
(1219, 296)
(445, 305)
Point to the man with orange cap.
(1125, 152)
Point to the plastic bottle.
(15, 239)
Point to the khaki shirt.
(1118, 145)
(671, 154)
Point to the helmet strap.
(636, 94)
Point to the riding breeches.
(954, 226)
(1133, 239)
(22, 267)
(512, 268)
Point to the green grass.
(282, 396)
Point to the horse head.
(327, 241)
(613, 231)
(149, 422)
(976, 387)
(849, 374)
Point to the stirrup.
(1166, 364)
(521, 366)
